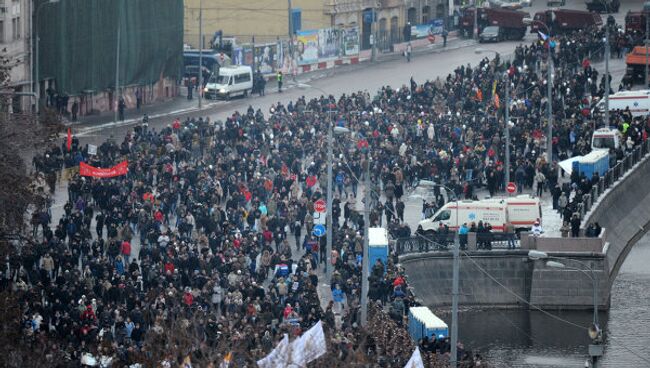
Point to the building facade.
(392, 17)
(15, 36)
(266, 20)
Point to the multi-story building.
(267, 20)
(392, 16)
(15, 39)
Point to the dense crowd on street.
(213, 223)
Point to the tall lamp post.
(646, 13)
(36, 41)
(507, 118)
(595, 333)
(453, 359)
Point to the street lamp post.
(595, 349)
(200, 87)
(646, 13)
(365, 266)
(37, 41)
(453, 359)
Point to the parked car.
(527, 3)
(490, 34)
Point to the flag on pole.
(416, 360)
(542, 35)
(278, 356)
(494, 87)
(69, 141)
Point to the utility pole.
(549, 106)
(607, 86)
(475, 30)
(373, 31)
(291, 48)
(366, 243)
(328, 223)
(454, 292)
(647, 41)
(200, 86)
(507, 117)
(117, 62)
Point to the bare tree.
(20, 135)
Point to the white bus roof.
(377, 237)
(644, 92)
(424, 315)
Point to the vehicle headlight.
(205, 89)
(223, 90)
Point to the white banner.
(92, 149)
(278, 357)
(309, 347)
(416, 360)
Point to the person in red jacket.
(126, 251)
(188, 298)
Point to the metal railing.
(444, 242)
(613, 175)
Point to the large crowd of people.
(213, 223)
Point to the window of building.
(2, 31)
(15, 28)
(425, 14)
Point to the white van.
(521, 211)
(605, 139)
(637, 101)
(231, 81)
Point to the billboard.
(266, 58)
(351, 41)
(435, 27)
(328, 43)
(307, 46)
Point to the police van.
(233, 80)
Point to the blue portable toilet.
(422, 322)
(378, 246)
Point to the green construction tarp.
(79, 40)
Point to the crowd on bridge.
(210, 232)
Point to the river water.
(530, 339)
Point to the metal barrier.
(444, 242)
(613, 175)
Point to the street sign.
(320, 206)
(319, 230)
(511, 187)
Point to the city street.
(509, 345)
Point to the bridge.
(506, 278)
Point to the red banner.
(118, 170)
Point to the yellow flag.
(494, 87)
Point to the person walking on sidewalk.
(190, 88)
(279, 76)
(408, 52)
(444, 37)
(121, 105)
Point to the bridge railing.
(444, 242)
(613, 175)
